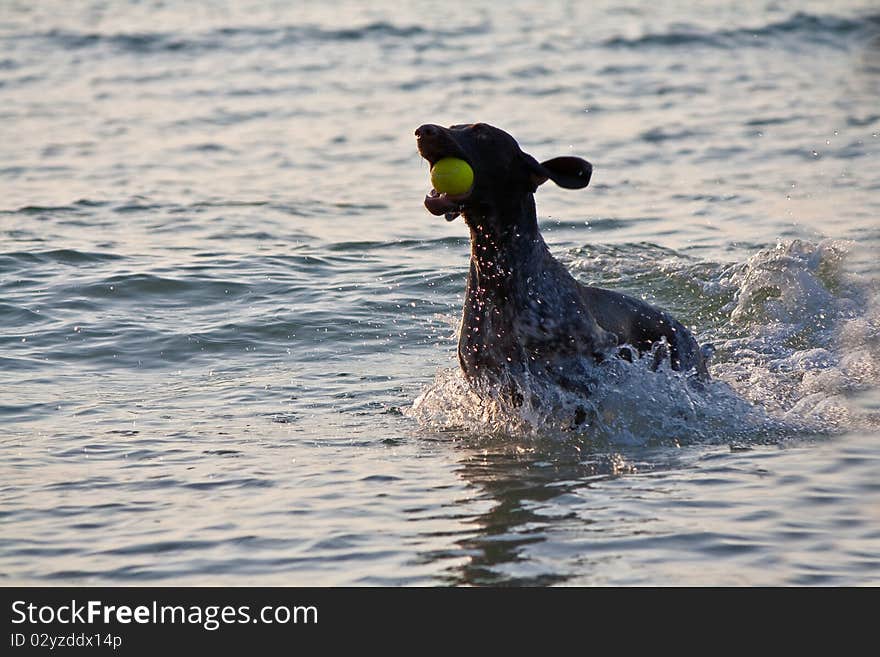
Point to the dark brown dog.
(524, 314)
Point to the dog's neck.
(515, 293)
(505, 242)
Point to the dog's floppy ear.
(566, 171)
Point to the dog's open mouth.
(433, 148)
(445, 204)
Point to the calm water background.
(220, 295)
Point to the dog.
(524, 314)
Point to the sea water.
(228, 325)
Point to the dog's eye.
(481, 131)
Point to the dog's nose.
(428, 131)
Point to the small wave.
(796, 335)
(17, 316)
(16, 260)
(811, 28)
(82, 206)
(143, 287)
(245, 38)
(408, 244)
(666, 39)
(666, 133)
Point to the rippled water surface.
(227, 324)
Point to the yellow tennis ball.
(452, 176)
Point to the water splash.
(804, 334)
(796, 335)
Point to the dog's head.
(502, 171)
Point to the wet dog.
(524, 314)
